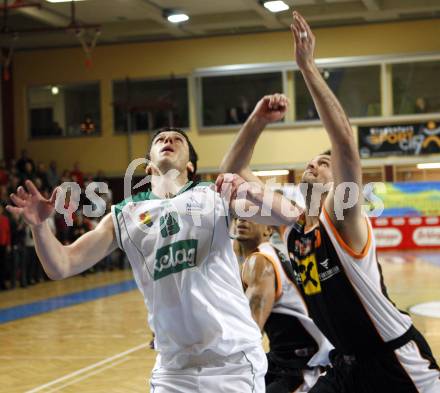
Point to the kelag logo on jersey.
(169, 224)
(175, 257)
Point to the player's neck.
(250, 246)
(165, 186)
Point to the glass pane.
(64, 110)
(357, 88)
(416, 88)
(230, 99)
(151, 104)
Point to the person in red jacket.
(5, 245)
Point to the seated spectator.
(5, 246)
(24, 159)
(18, 261)
(4, 173)
(29, 173)
(52, 175)
(88, 126)
(77, 175)
(14, 183)
(41, 173)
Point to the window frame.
(186, 77)
(98, 133)
(386, 93)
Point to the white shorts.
(242, 372)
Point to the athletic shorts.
(242, 372)
(408, 369)
(281, 378)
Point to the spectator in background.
(77, 175)
(14, 183)
(18, 261)
(52, 175)
(4, 195)
(41, 173)
(4, 173)
(65, 176)
(31, 259)
(5, 246)
(29, 172)
(88, 126)
(239, 114)
(421, 106)
(24, 159)
(79, 228)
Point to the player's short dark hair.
(193, 158)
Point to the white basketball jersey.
(289, 301)
(185, 267)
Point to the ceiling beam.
(371, 5)
(269, 19)
(46, 16)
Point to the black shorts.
(283, 378)
(383, 373)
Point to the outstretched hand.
(304, 41)
(271, 108)
(31, 205)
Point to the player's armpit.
(259, 277)
(350, 227)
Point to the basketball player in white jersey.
(176, 237)
(377, 349)
(297, 347)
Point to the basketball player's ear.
(190, 167)
(148, 169)
(268, 231)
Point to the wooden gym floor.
(99, 343)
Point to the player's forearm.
(239, 155)
(51, 253)
(259, 309)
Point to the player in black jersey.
(332, 249)
(279, 310)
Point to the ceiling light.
(61, 1)
(276, 6)
(276, 172)
(429, 165)
(175, 16)
(55, 90)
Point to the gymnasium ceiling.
(142, 20)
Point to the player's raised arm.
(269, 109)
(61, 261)
(345, 161)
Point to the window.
(416, 88)
(64, 110)
(357, 88)
(228, 100)
(143, 105)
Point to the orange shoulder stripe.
(343, 244)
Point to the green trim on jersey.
(142, 196)
(186, 187)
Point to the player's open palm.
(272, 108)
(31, 205)
(304, 41)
